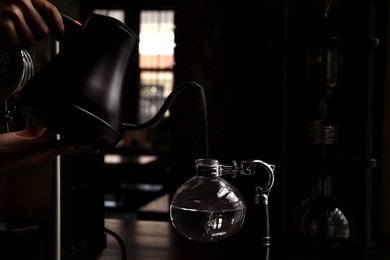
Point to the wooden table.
(158, 240)
(143, 240)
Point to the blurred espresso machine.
(53, 210)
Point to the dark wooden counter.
(157, 240)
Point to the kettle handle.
(168, 101)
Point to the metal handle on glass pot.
(260, 251)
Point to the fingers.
(30, 138)
(15, 31)
(54, 148)
(61, 148)
(34, 131)
(35, 151)
(24, 22)
(52, 17)
(9, 39)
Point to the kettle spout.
(164, 108)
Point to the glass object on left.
(15, 69)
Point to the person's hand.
(24, 22)
(26, 147)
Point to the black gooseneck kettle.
(80, 93)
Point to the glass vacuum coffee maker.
(322, 222)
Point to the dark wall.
(226, 48)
